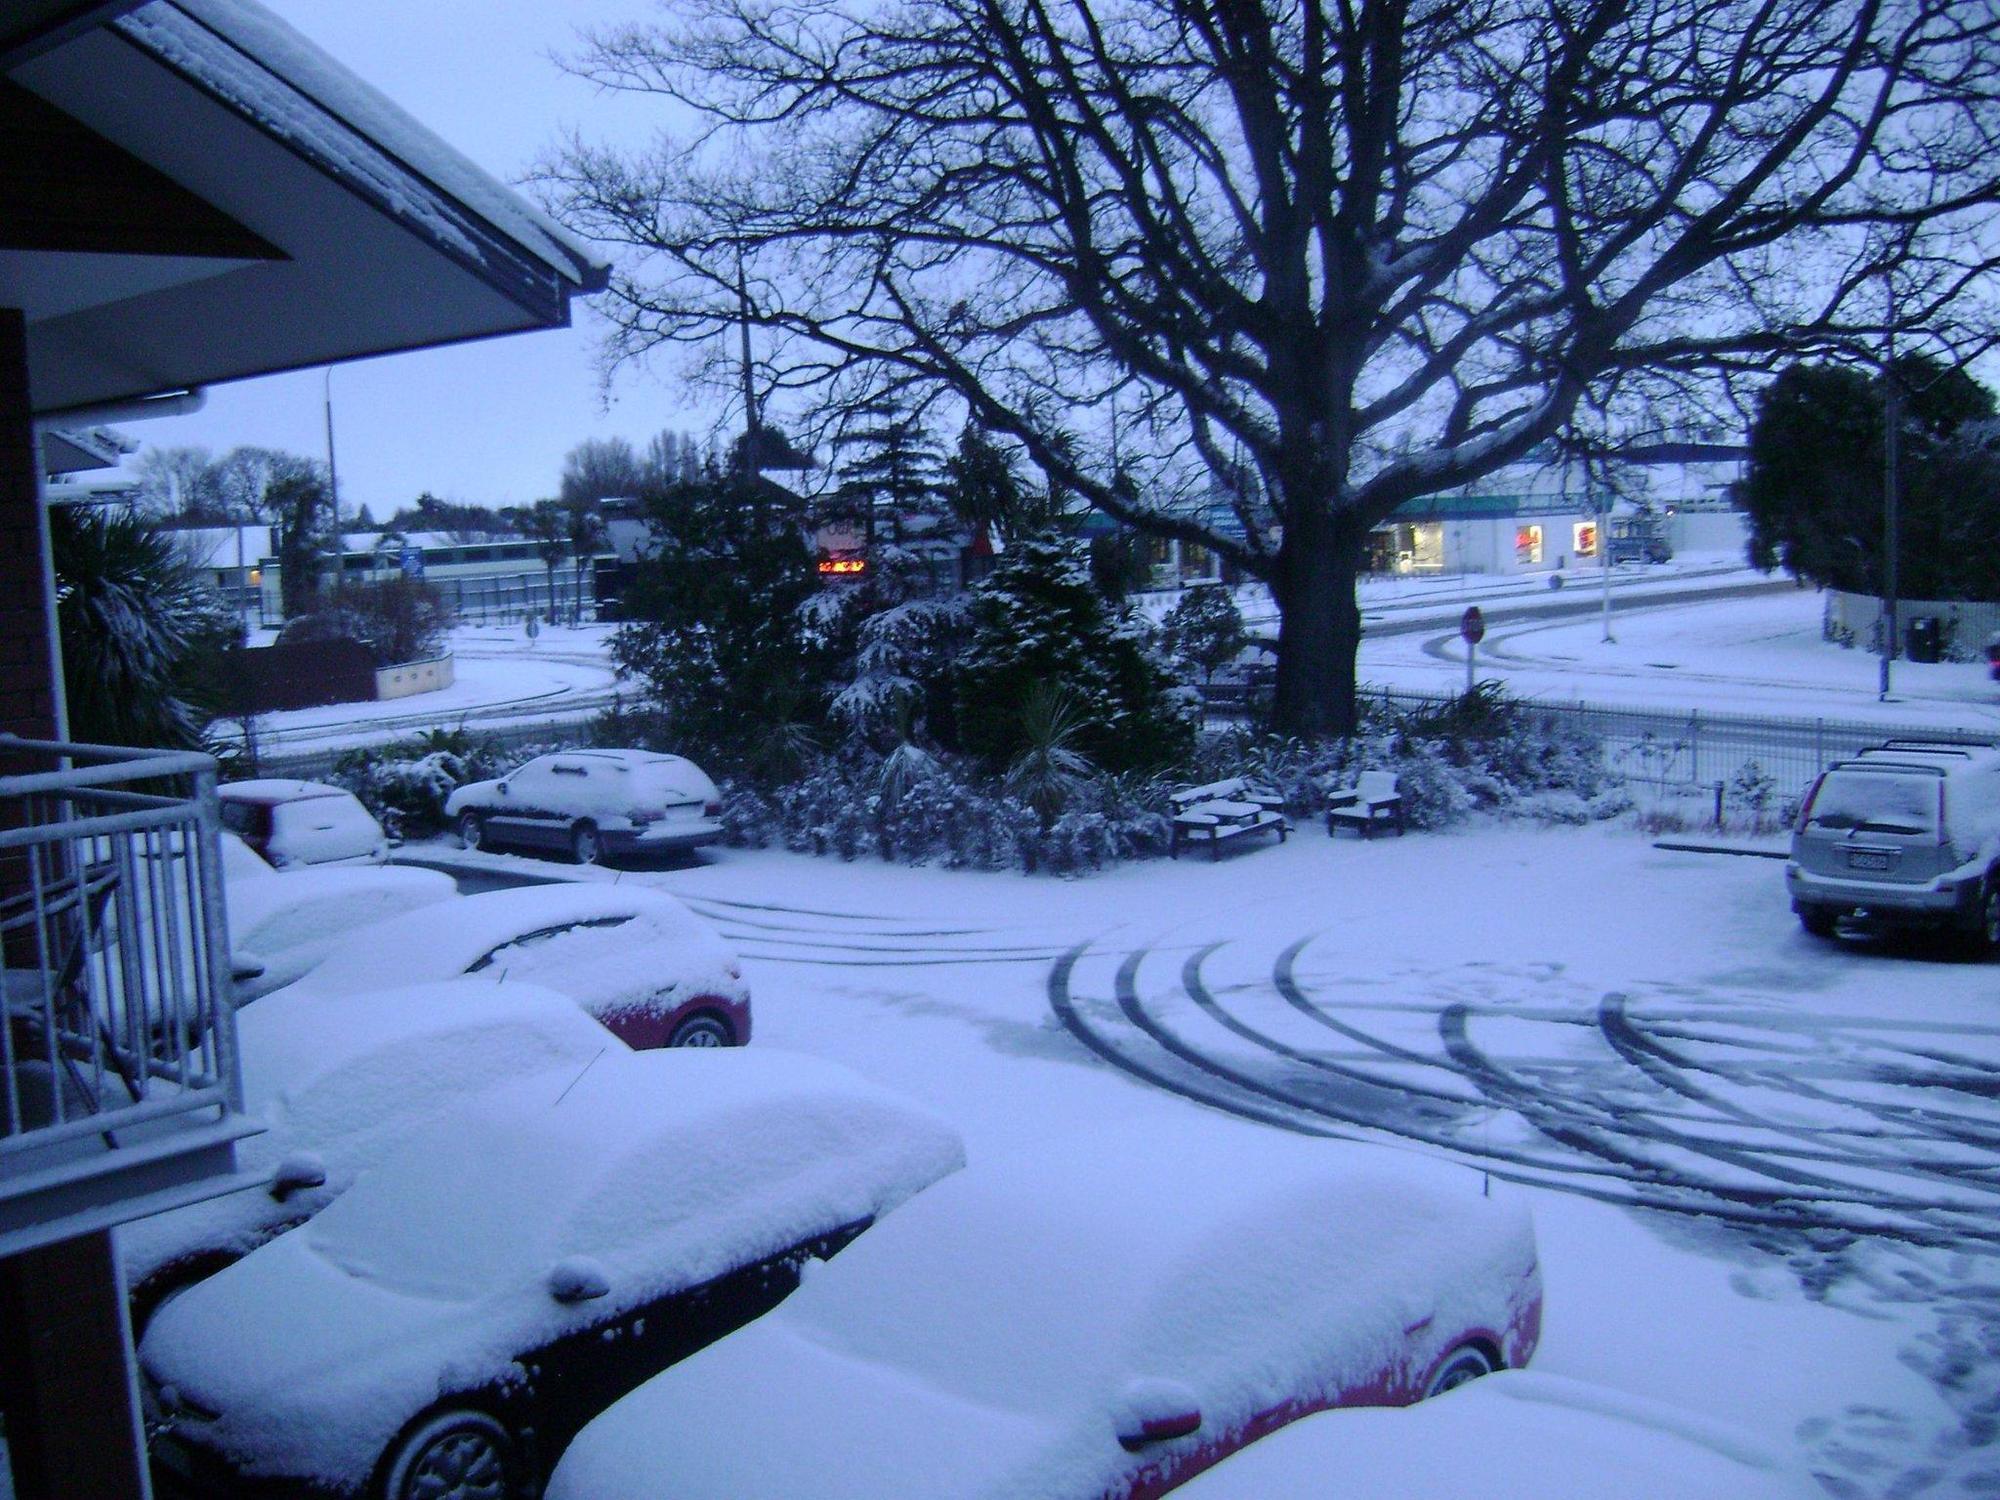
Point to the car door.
(522, 810)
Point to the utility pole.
(1891, 423)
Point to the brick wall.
(27, 675)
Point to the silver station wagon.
(1906, 833)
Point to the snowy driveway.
(1763, 1167)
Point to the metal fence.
(1696, 749)
(114, 961)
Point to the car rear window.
(1875, 802)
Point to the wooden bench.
(1374, 801)
(1223, 809)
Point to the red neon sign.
(843, 566)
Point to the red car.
(292, 823)
(1090, 1319)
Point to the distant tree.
(398, 620)
(1205, 629)
(1814, 483)
(984, 485)
(364, 519)
(599, 468)
(243, 475)
(546, 524)
(583, 530)
(716, 626)
(1038, 619)
(301, 508)
(143, 634)
(177, 482)
(892, 478)
(454, 519)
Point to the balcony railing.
(119, 1091)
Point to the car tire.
(586, 846)
(1459, 1367)
(1818, 921)
(471, 830)
(459, 1454)
(702, 1030)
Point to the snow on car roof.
(278, 789)
(1003, 1314)
(348, 1076)
(440, 942)
(314, 905)
(672, 1166)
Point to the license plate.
(1866, 859)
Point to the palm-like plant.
(142, 633)
(1048, 771)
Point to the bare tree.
(599, 468)
(1370, 250)
(176, 481)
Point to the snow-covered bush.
(404, 784)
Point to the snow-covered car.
(448, 1324)
(1521, 1435)
(1906, 833)
(337, 1084)
(292, 823)
(638, 960)
(1098, 1319)
(589, 803)
(280, 927)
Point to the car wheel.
(585, 846)
(702, 1030)
(1818, 921)
(1463, 1365)
(471, 830)
(455, 1455)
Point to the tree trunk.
(1319, 625)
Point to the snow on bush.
(405, 784)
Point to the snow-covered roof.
(337, 226)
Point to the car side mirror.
(1155, 1411)
(578, 1279)
(297, 1172)
(245, 965)
(503, 789)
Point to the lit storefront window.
(1585, 542)
(1527, 546)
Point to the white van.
(1906, 833)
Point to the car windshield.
(1876, 802)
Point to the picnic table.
(1222, 810)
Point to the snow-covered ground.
(1598, 1023)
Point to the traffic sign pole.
(1472, 628)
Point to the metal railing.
(114, 962)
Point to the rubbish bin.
(1926, 640)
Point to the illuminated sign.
(842, 567)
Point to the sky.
(486, 423)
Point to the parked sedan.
(1091, 1320)
(654, 973)
(337, 1083)
(293, 823)
(448, 1324)
(589, 803)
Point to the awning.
(215, 198)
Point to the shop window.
(1585, 544)
(1527, 546)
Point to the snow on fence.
(1698, 750)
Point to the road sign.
(1472, 625)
